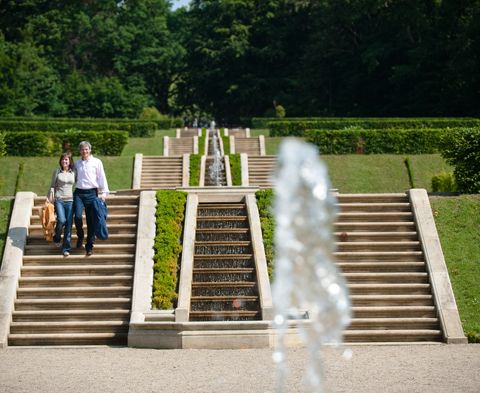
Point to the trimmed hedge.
(391, 141)
(29, 144)
(137, 128)
(170, 215)
(267, 222)
(285, 126)
(235, 169)
(194, 178)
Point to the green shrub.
(151, 113)
(27, 144)
(170, 214)
(194, 178)
(3, 145)
(267, 222)
(461, 148)
(235, 169)
(444, 182)
(280, 111)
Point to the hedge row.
(392, 141)
(297, 127)
(169, 222)
(26, 144)
(134, 129)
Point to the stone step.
(394, 323)
(112, 219)
(99, 248)
(376, 236)
(73, 304)
(112, 338)
(394, 226)
(78, 257)
(391, 300)
(387, 335)
(223, 274)
(71, 315)
(380, 256)
(416, 277)
(225, 261)
(73, 292)
(68, 327)
(224, 289)
(375, 207)
(75, 281)
(379, 246)
(225, 303)
(373, 198)
(381, 267)
(77, 270)
(117, 238)
(375, 217)
(112, 229)
(394, 312)
(223, 248)
(389, 289)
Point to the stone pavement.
(372, 368)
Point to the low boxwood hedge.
(29, 144)
(170, 214)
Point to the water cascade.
(307, 284)
(217, 167)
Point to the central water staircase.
(224, 286)
(77, 299)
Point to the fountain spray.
(307, 283)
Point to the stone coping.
(13, 260)
(439, 279)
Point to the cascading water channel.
(305, 276)
(216, 168)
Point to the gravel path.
(372, 368)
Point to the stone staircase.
(224, 286)
(180, 146)
(379, 252)
(161, 172)
(260, 170)
(250, 146)
(77, 300)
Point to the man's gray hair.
(83, 144)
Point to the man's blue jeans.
(64, 212)
(84, 199)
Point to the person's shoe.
(66, 253)
(89, 252)
(79, 242)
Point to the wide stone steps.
(390, 335)
(77, 300)
(180, 146)
(261, 170)
(250, 146)
(160, 172)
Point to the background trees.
(240, 58)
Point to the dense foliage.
(169, 220)
(236, 59)
(267, 222)
(461, 148)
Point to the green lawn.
(5, 207)
(458, 225)
(147, 146)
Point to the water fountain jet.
(306, 279)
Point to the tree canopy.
(240, 58)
